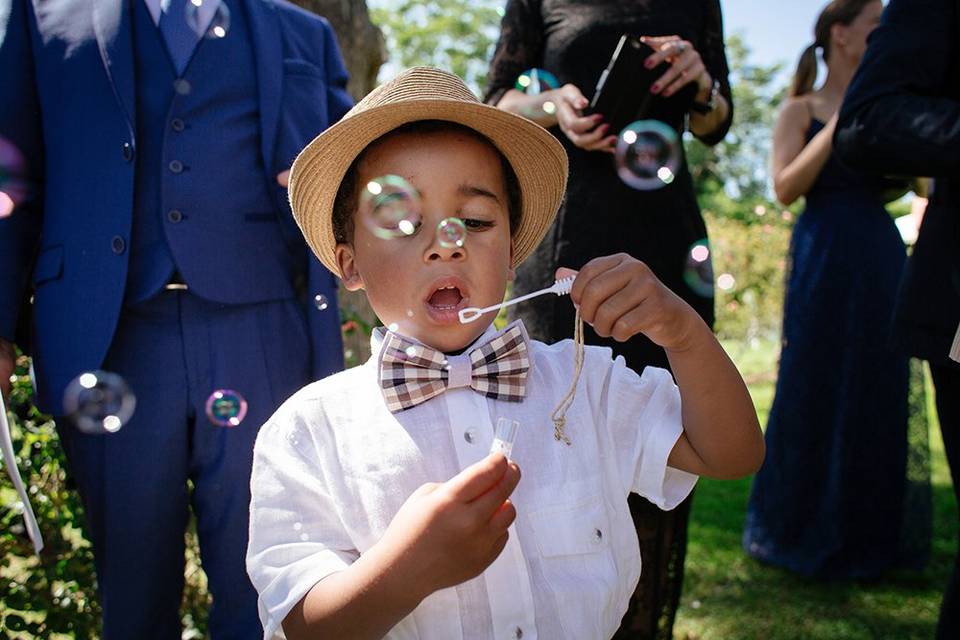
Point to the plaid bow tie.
(412, 373)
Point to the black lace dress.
(602, 216)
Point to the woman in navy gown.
(828, 501)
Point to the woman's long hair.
(837, 12)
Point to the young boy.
(376, 509)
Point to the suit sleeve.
(324, 324)
(895, 118)
(21, 162)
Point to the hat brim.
(538, 160)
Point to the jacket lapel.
(268, 53)
(111, 24)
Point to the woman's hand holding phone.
(590, 133)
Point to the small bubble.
(393, 327)
(320, 302)
(760, 210)
(535, 82)
(451, 233)
(218, 25)
(648, 155)
(698, 269)
(390, 207)
(297, 526)
(99, 402)
(304, 537)
(226, 408)
(182, 87)
(411, 352)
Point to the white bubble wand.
(10, 461)
(560, 287)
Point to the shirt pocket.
(577, 561)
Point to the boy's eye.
(477, 225)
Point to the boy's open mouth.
(446, 298)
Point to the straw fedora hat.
(426, 93)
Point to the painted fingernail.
(655, 88)
(649, 63)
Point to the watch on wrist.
(706, 107)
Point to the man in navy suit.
(901, 116)
(156, 241)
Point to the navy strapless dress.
(829, 498)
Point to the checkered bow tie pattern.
(411, 373)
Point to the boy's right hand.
(447, 533)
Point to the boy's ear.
(349, 273)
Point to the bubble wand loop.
(560, 287)
(10, 461)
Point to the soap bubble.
(534, 82)
(390, 207)
(451, 233)
(219, 23)
(648, 154)
(226, 408)
(99, 402)
(320, 302)
(698, 269)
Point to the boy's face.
(414, 281)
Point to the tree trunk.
(361, 42)
(364, 50)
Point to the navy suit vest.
(200, 179)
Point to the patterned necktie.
(178, 34)
(412, 373)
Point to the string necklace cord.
(559, 413)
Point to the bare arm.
(444, 534)
(796, 164)
(620, 297)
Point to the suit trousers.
(946, 382)
(138, 484)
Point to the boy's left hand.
(619, 296)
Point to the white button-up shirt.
(333, 466)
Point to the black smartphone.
(623, 89)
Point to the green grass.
(729, 596)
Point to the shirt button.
(174, 216)
(470, 435)
(118, 245)
(127, 150)
(177, 124)
(175, 166)
(518, 633)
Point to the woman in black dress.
(602, 215)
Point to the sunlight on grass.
(729, 596)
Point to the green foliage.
(54, 595)
(455, 35)
(737, 166)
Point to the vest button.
(127, 150)
(175, 166)
(174, 216)
(177, 124)
(118, 245)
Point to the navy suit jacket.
(67, 103)
(901, 116)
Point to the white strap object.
(560, 287)
(10, 460)
(955, 349)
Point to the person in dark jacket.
(901, 117)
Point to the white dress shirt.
(333, 466)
